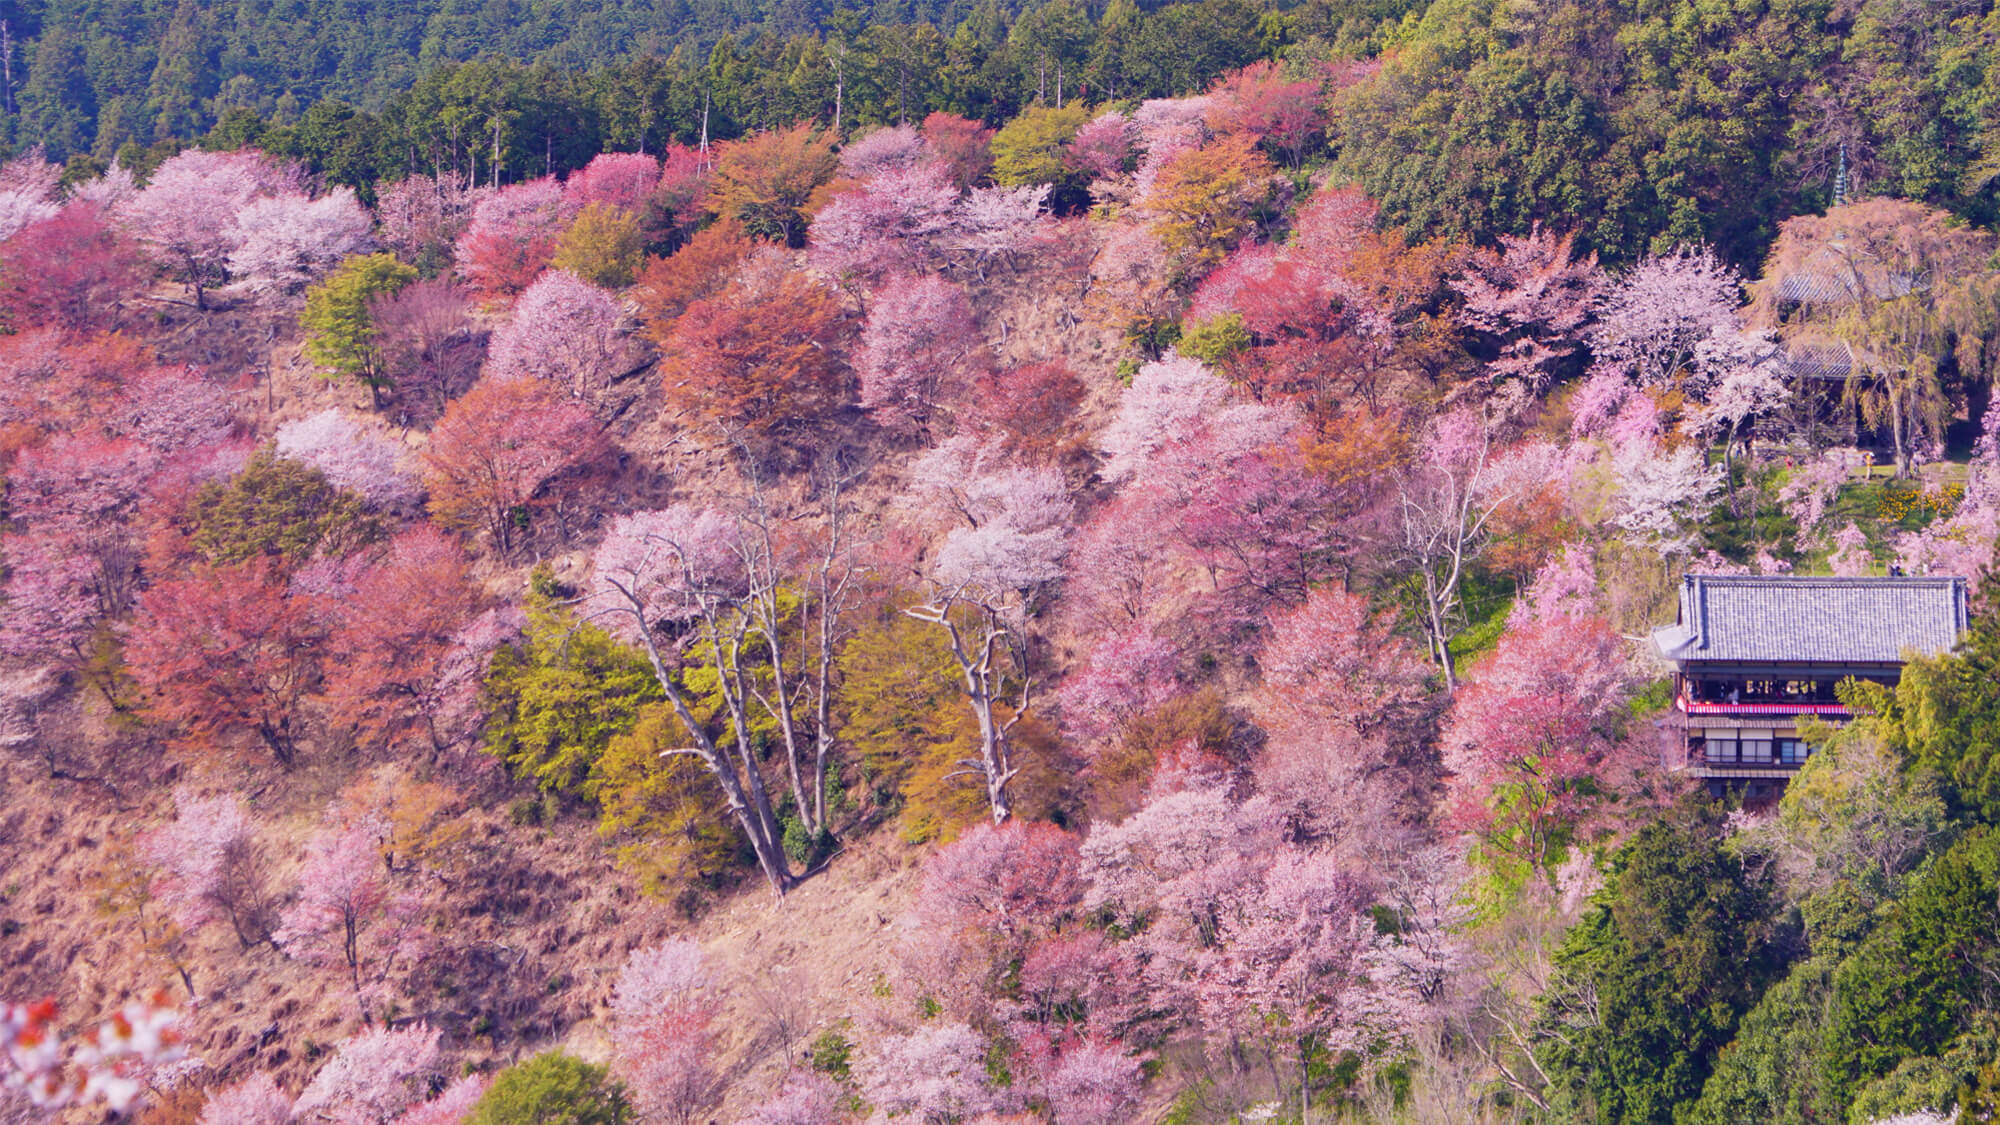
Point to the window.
(1719, 750)
(1793, 751)
(1757, 751)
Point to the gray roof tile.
(1823, 620)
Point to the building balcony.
(1763, 708)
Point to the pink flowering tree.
(1008, 528)
(934, 1073)
(1260, 100)
(1105, 149)
(1529, 737)
(353, 456)
(625, 180)
(421, 217)
(513, 234)
(186, 215)
(1297, 964)
(1168, 874)
(431, 347)
(1086, 1081)
(1529, 302)
(1810, 489)
(28, 186)
(257, 1100)
(993, 224)
(804, 1099)
(283, 243)
(347, 914)
(891, 148)
(1652, 318)
(211, 867)
(452, 1106)
(662, 1008)
(1126, 671)
(986, 900)
(962, 145)
(1662, 492)
(889, 223)
(921, 343)
(104, 1071)
(372, 1077)
(1332, 661)
(566, 331)
(1446, 502)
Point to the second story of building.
(1746, 646)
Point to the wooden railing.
(1690, 707)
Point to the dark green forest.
(1639, 124)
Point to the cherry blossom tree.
(392, 638)
(1446, 502)
(28, 187)
(283, 243)
(494, 455)
(1811, 487)
(962, 145)
(353, 456)
(662, 1006)
(211, 867)
(1659, 492)
(891, 148)
(347, 915)
(995, 223)
(934, 1073)
(430, 346)
(1105, 148)
(566, 331)
(1531, 733)
(888, 223)
(625, 180)
(1331, 661)
(986, 900)
(372, 1077)
(1651, 319)
(1297, 965)
(225, 651)
(186, 215)
(1011, 530)
(1530, 300)
(513, 234)
(257, 1100)
(1092, 1082)
(1850, 557)
(921, 341)
(805, 1099)
(1177, 863)
(110, 1064)
(422, 218)
(1126, 672)
(453, 1106)
(72, 268)
(1261, 101)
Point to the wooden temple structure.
(1753, 655)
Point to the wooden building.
(1752, 655)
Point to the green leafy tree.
(279, 509)
(1946, 713)
(1029, 149)
(559, 698)
(552, 1089)
(605, 246)
(339, 318)
(1910, 986)
(1651, 983)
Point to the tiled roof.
(1824, 620)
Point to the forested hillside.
(1051, 567)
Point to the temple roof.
(1787, 620)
